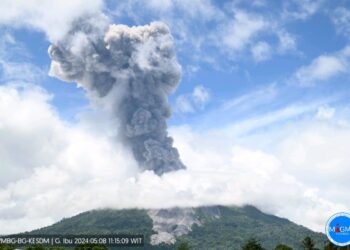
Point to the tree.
(330, 246)
(283, 247)
(6, 247)
(308, 243)
(183, 246)
(252, 244)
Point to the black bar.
(118, 240)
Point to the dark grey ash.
(134, 69)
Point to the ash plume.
(134, 69)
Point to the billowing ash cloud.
(134, 69)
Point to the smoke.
(133, 70)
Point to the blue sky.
(212, 55)
(263, 102)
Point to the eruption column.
(134, 69)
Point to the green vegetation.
(252, 244)
(283, 247)
(331, 246)
(237, 225)
(308, 243)
(6, 247)
(183, 246)
(227, 228)
(107, 221)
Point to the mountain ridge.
(206, 227)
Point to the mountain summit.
(211, 227)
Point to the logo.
(338, 229)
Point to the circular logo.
(338, 229)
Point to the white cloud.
(196, 9)
(200, 95)
(239, 31)
(321, 69)
(24, 121)
(42, 158)
(200, 26)
(319, 147)
(50, 169)
(199, 9)
(268, 176)
(325, 112)
(14, 65)
(261, 51)
(341, 20)
(287, 42)
(197, 100)
(273, 118)
(52, 17)
(184, 105)
(178, 14)
(57, 167)
(14, 71)
(301, 9)
(252, 99)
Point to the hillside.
(215, 227)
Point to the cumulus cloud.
(240, 30)
(262, 51)
(23, 129)
(43, 157)
(64, 165)
(323, 68)
(52, 17)
(197, 100)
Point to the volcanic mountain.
(211, 227)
